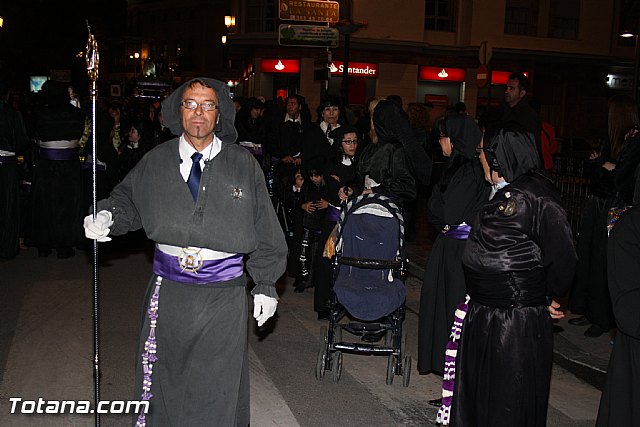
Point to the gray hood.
(225, 130)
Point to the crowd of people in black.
(503, 256)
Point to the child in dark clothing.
(313, 205)
(293, 212)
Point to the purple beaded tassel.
(150, 347)
(444, 413)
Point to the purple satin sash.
(333, 214)
(196, 271)
(58, 153)
(460, 232)
(7, 160)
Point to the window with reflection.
(564, 19)
(521, 17)
(262, 16)
(440, 15)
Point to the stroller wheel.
(406, 371)
(403, 345)
(390, 367)
(322, 353)
(336, 369)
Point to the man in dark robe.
(203, 200)
(619, 405)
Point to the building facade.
(436, 51)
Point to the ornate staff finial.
(92, 57)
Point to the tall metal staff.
(92, 60)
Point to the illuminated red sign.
(280, 65)
(442, 74)
(362, 69)
(501, 77)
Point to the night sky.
(42, 35)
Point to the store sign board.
(442, 74)
(309, 10)
(280, 65)
(359, 69)
(619, 81)
(501, 77)
(307, 35)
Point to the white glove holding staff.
(263, 308)
(98, 229)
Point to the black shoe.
(323, 315)
(300, 286)
(579, 321)
(594, 331)
(435, 402)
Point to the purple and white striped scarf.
(451, 352)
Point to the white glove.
(263, 308)
(98, 229)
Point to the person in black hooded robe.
(13, 142)
(454, 201)
(57, 179)
(619, 404)
(518, 259)
(394, 160)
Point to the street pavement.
(46, 350)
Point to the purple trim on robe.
(333, 214)
(215, 270)
(7, 160)
(58, 153)
(460, 232)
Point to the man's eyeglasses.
(190, 104)
(350, 141)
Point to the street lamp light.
(229, 21)
(223, 39)
(636, 60)
(1, 21)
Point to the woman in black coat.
(454, 202)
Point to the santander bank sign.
(362, 69)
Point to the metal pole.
(636, 65)
(345, 71)
(92, 60)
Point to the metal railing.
(569, 177)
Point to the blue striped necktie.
(194, 176)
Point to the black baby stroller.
(369, 290)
